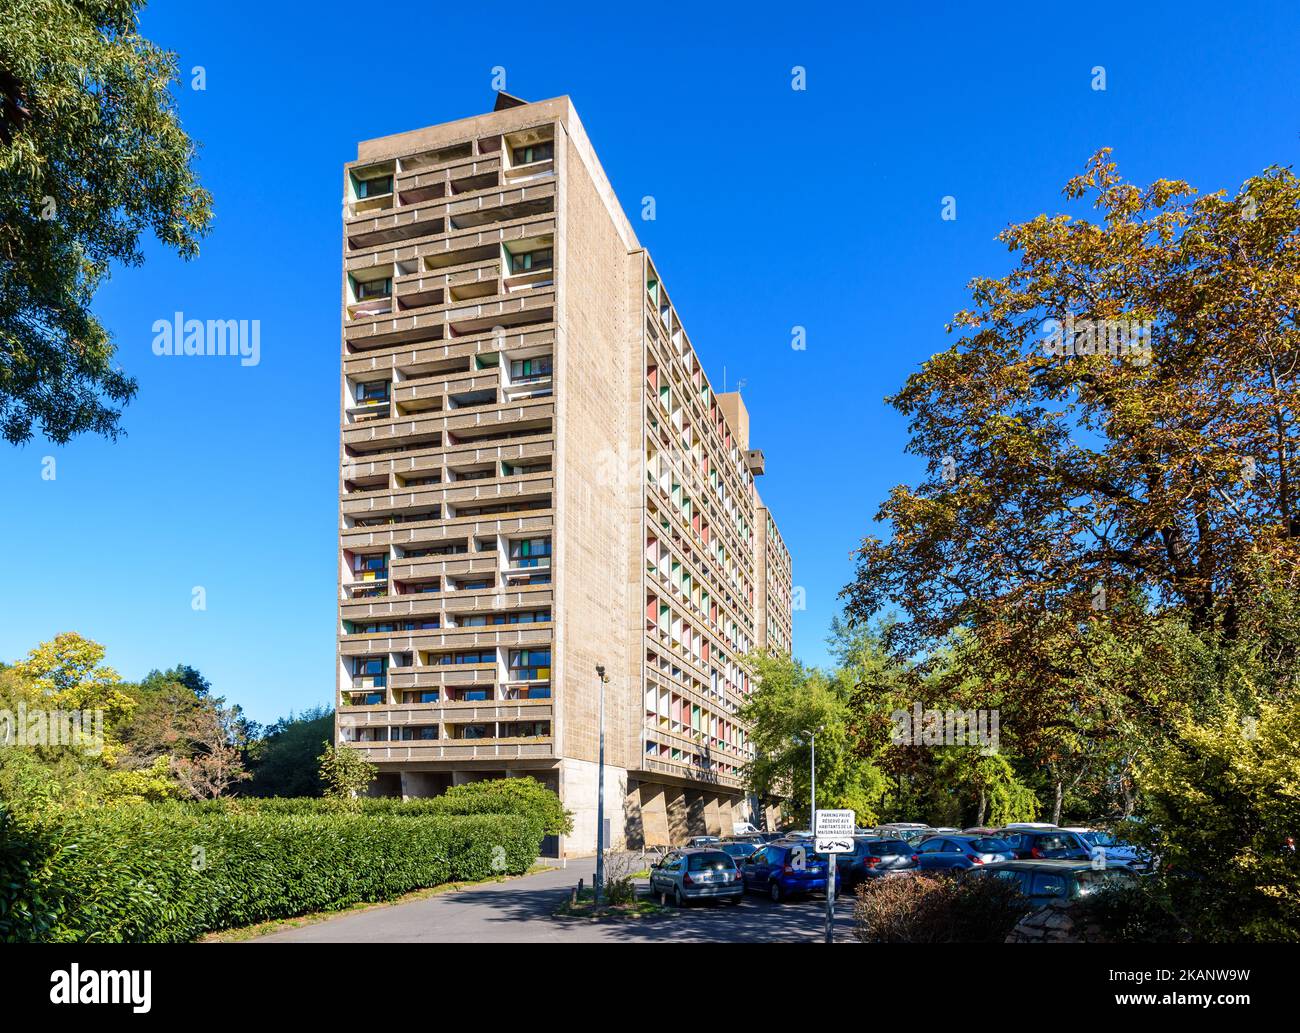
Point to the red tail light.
(686, 880)
(872, 861)
(976, 858)
(787, 870)
(916, 858)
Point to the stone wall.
(1056, 923)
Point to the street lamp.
(600, 790)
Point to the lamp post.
(600, 791)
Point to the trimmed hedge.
(171, 872)
(943, 908)
(521, 795)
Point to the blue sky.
(775, 208)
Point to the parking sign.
(833, 832)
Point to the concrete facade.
(536, 478)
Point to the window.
(374, 391)
(476, 656)
(423, 696)
(1047, 884)
(522, 370)
(530, 664)
(416, 732)
(371, 567)
(531, 552)
(542, 258)
(534, 152)
(367, 289)
(375, 187)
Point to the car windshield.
(991, 846)
(703, 862)
(1102, 839)
(888, 847)
(1057, 841)
(1098, 879)
(737, 849)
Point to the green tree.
(788, 703)
(91, 155)
(344, 772)
(283, 760)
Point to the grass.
(252, 932)
(586, 907)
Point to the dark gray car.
(697, 874)
(873, 858)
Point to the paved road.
(520, 911)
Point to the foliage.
(170, 872)
(942, 909)
(1222, 796)
(507, 796)
(1162, 475)
(789, 701)
(283, 759)
(344, 772)
(620, 879)
(91, 155)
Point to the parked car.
(901, 829)
(1105, 847)
(697, 874)
(1045, 843)
(695, 841)
(949, 852)
(874, 858)
(1045, 881)
(1030, 825)
(786, 869)
(738, 849)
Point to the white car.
(1107, 849)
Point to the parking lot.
(522, 911)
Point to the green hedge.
(524, 796)
(171, 872)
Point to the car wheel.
(775, 893)
(678, 899)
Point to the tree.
(213, 760)
(67, 674)
(283, 760)
(788, 702)
(1070, 484)
(344, 772)
(91, 155)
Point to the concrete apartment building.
(537, 478)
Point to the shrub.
(943, 909)
(170, 872)
(1143, 913)
(507, 796)
(523, 796)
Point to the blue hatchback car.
(784, 870)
